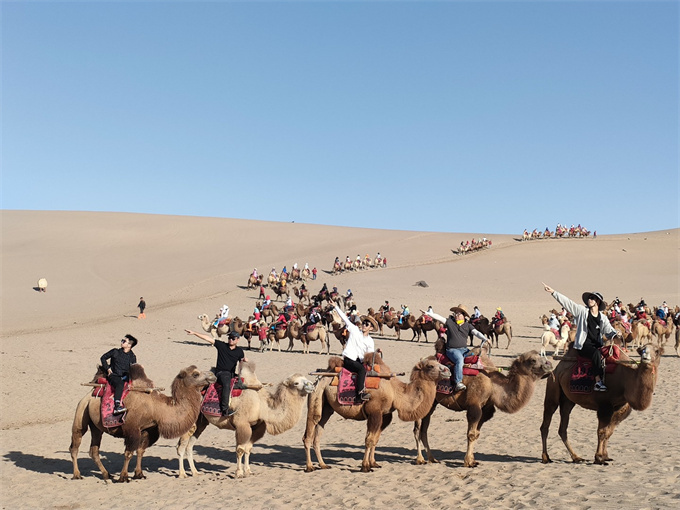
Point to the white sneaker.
(460, 387)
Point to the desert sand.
(98, 265)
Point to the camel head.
(650, 353)
(191, 376)
(303, 385)
(532, 363)
(430, 369)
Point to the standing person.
(358, 345)
(142, 306)
(314, 273)
(261, 296)
(118, 369)
(591, 324)
(229, 354)
(457, 333)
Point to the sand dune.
(99, 264)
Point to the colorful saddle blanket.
(347, 388)
(105, 391)
(583, 376)
(471, 366)
(212, 395)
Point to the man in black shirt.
(228, 356)
(118, 369)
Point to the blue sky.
(436, 116)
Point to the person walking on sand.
(591, 325)
(142, 306)
(118, 369)
(228, 356)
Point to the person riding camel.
(266, 303)
(385, 309)
(424, 318)
(254, 273)
(554, 325)
(405, 312)
(221, 317)
(640, 312)
(476, 315)
(498, 318)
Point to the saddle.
(583, 376)
(471, 366)
(105, 392)
(212, 396)
(347, 388)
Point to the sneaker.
(119, 409)
(460, 387)
(363, 396)
(599, 386)
(229, 412)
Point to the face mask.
(460, 321)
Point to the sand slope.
(98, 265)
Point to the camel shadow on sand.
(63, 466)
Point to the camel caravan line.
(474, 245)
(560, 232)
(358, 263)
(265, 408)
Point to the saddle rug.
(105, 391)
(471, 366)
(347, 388)
(583, 376)
(212, 396)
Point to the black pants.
(358, 368)
(224, 378)
(589, 350)
(118, 383)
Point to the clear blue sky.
(439, 116)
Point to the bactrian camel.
(209, 326)
(487, 391)
(257, 412)
(149, 416)
(412, 401)
(628, 388)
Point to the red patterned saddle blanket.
(347, 388)
(105, 391)
(212, 395)
(583, 376)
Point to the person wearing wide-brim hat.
(591, 325)
(359, 343)
(457, 332)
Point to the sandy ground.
(98, 265)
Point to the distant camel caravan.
(358, 263)
(559, 232)
(474, 245)
(149, 416)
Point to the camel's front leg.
(243, 440)
(257, 433)
(373, 427)
(420, 428)
(124, 471)
(139, 474)
(566, 407)
(474, 414)
(604, 432)
(313, 433)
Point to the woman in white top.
(358, 345)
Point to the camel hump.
(334, 362)
(138, 377)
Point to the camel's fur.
(627, 388)
(209, 326)
(485, 392)
(149, 416)
(257, 412)
(412, 401)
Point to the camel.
(302, 294)
(254, 281)
(412, 401)
(549, 338)
(149, 416)
(209, 326)
(503, 329)
(275, 335)
(245, 329)
(408, 322)
(318, 332)
(663, 333)
(627, 388)
(640, 332)
(424, 326)
(485, 392)
(257, 412)
(271, 312)
(626, 335)
(280, 291)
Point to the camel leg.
(124, 477)
(149, 437)
(420, 428)
(566, 406)
(312, 437)
(474, 415)
(185, 446)
(243, 438)
(81, 422)
(618, 416)
(550, 405)
(386, 420)
(373, 427)
(258, 432)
